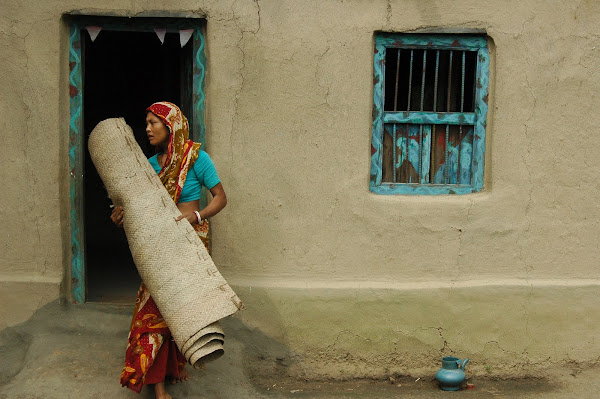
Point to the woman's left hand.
(190, 216)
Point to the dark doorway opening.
(124, 72)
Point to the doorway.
(124, 70)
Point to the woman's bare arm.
(216, 204)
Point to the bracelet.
(198, 217)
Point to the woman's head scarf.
(182, 152)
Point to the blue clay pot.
(452, 373)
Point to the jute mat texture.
(182, 278)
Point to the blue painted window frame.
(77, 25)
(478, 118)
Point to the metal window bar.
(395, 142)
(462, 91)
(421, 144)
(437, 68)
(423, 78)
(474, 82)
(410, 73)
(397, 78)
(460, 128)
(433, 130)
(448, 126)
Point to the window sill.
(423, 189)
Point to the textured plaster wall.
(289, 96)
(301, 135)
(32, 256)
(509, 331)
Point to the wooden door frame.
(76, 133)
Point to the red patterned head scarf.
(182, 152)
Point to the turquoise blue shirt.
(202, 173)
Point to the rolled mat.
(188, 289)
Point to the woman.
(151, 355)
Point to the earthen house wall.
(349, 283)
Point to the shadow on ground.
(76, 351)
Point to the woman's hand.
(190, 216)
(117, 216)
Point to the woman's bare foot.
(183, 376)
(160, 391)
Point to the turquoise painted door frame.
(195, 94)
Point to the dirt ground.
(67, 351)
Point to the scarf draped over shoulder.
(182, 152)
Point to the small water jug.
(452, 373)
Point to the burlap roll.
(190, 292)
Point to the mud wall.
(289, 99)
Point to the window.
(429, 114)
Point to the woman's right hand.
(117, 216)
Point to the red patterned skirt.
(151, 353)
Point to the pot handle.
(464, 363)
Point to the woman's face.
(157, 131)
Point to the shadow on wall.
(266, 353)
(264, 357)
(14, 345)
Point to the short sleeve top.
(202, 173)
